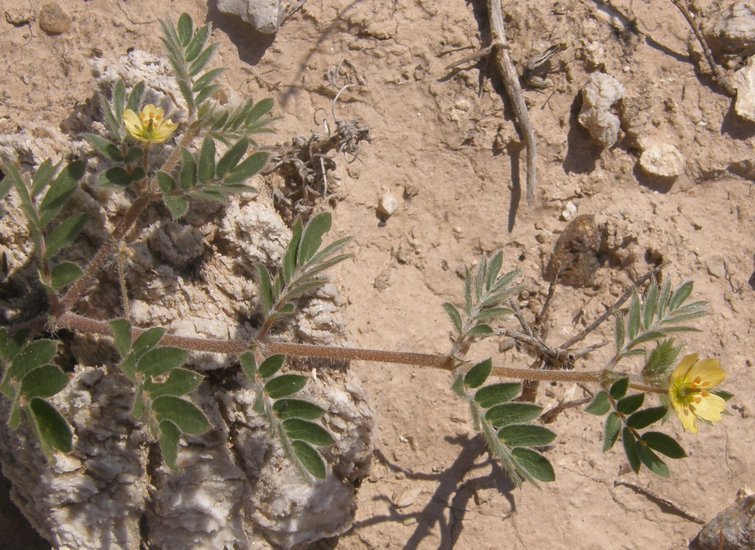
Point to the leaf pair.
(42, 200)
(660, 314)
(29, 379)
(302, 263)
(484, 294)
(626, 418)
(202, 177)
(160, 384)
(189, 54)
(289, 418)
(506, 425)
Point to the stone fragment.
(662, 160)
(18, 16)
(716, 265)
(264, 15)
(53, 20)
(406, 498)
(744, 83)
(600, 93)
(736, 28)
(732, 529)
(569, 211)
(387, 206)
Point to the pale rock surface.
(264, 15)
(662, 160)
(234, 488)
(736, 28)
(744, 82)
(600, 93)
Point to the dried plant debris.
(307, 166)
(575, 256)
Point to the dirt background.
(445, 147)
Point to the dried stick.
(661, 501)
(508, 73)
(719, 75)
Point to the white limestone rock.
(744, 83)
(600, 93)
(662, 160)
(736, 28)
(264, 15)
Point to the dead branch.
(718, 74)
(500, 48)
(661, 501)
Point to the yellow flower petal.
(685, 417)
(150, 125)
(680, 373)
(710, 372)
(133, 124)
(709, 408)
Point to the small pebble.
(53, 20)
(662, 160)
(406, 497)
(569, 211)
(715, 265)
(387, 206)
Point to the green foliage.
(29, 378)
(659, 315)
(160, 384)
(485, 292)
(626, 417)
(289, 419)
(303, 261)
(505, 425)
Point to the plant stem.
(72, 321)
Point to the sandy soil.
(442, 145)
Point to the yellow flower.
(150, 125)
(689, 391)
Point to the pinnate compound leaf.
(179, 382)
(147, 340)
(663, 444)
(526, 435)
(534, 463)
(662, 359)
(60, 191)
(44, 381)
(296, 408)
(478, 374)
(611, 431)
(497, 393)
(53, 430)
(311, 238)
(600, 405)
(309, 459)
(652, 461)
(630, 449)
(158, 361)
(512, 413)
(646, 417)
(64, 274)
(619, 388)
(285, 385)
(184, 414)
(631, 403)
(249, 365)
(302, 430)
(633, 317)
(271, 365)
(169, 436)
(64, 234)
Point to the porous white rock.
(600, 93)
(744, 83)
(662, 160)
(264, 15)
(736, 27)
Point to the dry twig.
(661, 501)
(500, 48)
(719, 75)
